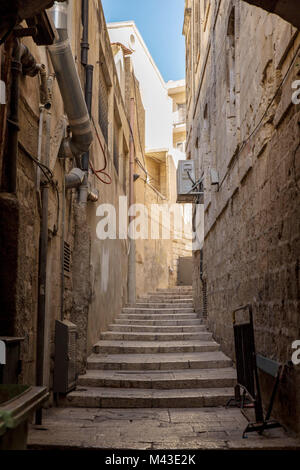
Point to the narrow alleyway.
(158, 354)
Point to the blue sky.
(160, 23)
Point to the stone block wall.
(252, 233)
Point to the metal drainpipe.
(62, 247)
(85, 33)
(89, 72)
(84, 188)
(131, 260)
(43, 251)
(22, 61)
(13, 119)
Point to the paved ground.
(163, 368)
(206, 428)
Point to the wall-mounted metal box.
(188, 188)
(10, 370)
(65, 357)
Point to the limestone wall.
(244, 125)
(95, 289)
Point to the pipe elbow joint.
(74, 179)
(80, 143)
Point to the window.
(121, 76)
(180, 146)
(67, 259)
(206, 119)
(230, 57)
(196, 31)
(132, 41)
(181, 112)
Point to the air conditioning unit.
(189, 189)
(65, 357)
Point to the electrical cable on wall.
(258, 126)
(47, 172)
(102, 171)
(136, 159)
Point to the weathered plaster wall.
(95, 288)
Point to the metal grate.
(65, 356)
(103, 104)
(67, 258)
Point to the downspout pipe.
(43, 254)
(74, 179)
(22, 61)
(132, 251)
(85, 32)
(70, 88)
(89, 72)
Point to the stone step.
(156, 329)
(181, 379)
(159, 361)
(160, 311)
(94, 397)
(170, 301)
(152, 347)
(150, 336)
(156, 322)
(181, 290)
(155, 316)
(166, 299)
(160, 296)
(160, 305)
(166, 295)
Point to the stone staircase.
(157, 354)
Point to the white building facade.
(157, 102)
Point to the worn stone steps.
(171, 301)
(160, 305)
(156, 322)
(156, 329)
(176, 290)
(167, 297)
(160, 311)
(97, 397)
(148, 347)
(156, 353)
(181, 379)
(151, 336)
(155, 316)
(159, 361)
